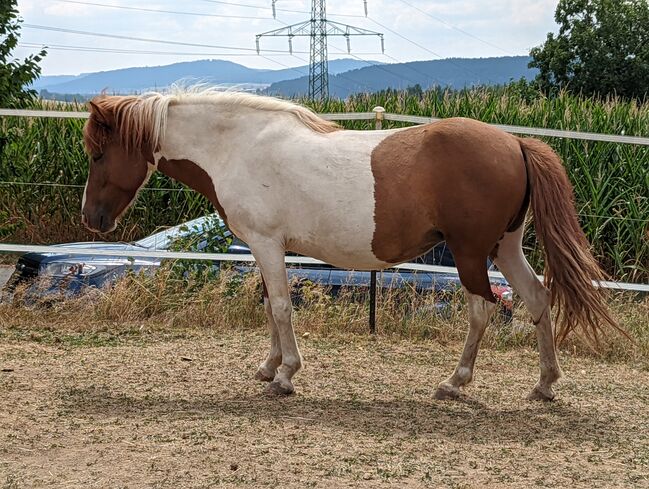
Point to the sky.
(413, 29)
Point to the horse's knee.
(480, 309)
(539, 302)
(281, 310)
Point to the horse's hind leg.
(481, 304)
(268, 369)
(512, 263)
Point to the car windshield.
(164, 239)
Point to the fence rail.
(290, 260)
(353, 116)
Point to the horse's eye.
(96, 158)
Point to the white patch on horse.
(313, 192)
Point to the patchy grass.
(185, 413)
(139, 307)
(149, 384)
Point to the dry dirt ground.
(184, 412)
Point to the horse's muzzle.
(98, 222)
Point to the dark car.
(52, 275)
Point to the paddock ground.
(164, 411)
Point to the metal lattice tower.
(318, 28)
(318, 65)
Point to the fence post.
(380, 115)
(378, 124)
(373, 302)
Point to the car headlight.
(507, 296)
(71, 269)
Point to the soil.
(169, 412)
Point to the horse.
(284, 179)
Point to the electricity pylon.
(318, 28)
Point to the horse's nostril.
(101, 221)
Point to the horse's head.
(118, 167)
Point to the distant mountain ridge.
(455, 73)
(346, 76)
(219, 72)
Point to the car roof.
(163, 239)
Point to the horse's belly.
(341, 253)
(338, 230)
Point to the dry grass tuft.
(139, 305)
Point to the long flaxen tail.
(570, 268)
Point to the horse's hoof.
(263, 376)
(539, 394)
(446, 392)
(279, 389)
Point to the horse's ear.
(98, 115)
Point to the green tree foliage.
(602, 48)
(15, 75)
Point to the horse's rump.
(457, 179)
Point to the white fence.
(242, 258)
(377, 115)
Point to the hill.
(455, 73)
(140, 79)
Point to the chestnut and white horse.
(284, 179)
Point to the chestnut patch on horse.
(193, 176)
(457, 179)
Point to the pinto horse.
(284, 179)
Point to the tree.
(15, 75)
(602, 48)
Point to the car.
(55, 275)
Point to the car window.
(205, 233)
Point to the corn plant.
(611, 181)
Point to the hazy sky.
(452, 28)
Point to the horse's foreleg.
(270, 259)
(473, 275)
(516, 269)
(268, 369)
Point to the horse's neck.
(221, 136)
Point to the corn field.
(611, 181)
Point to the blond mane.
(142, 120)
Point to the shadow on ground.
(465, 421)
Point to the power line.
(318, 28)
(425, 48)
(159, 11)
(64, 47)
(412, 68)
(448, 24)
(338, 75)
(369, 63)
(67, 47)
(303, 73)
(142, 39)
(263, 7)
(279, 9)
(378, 66)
